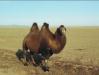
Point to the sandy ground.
(79, 57)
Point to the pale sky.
(69, 13)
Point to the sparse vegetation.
(79, 57)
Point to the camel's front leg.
(33, 61)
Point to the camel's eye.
(63, 29)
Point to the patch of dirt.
(10, 65)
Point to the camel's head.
(61, 30)
(45, 26)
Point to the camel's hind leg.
(26, 59)
(25, 53)
(29, 59)
(21, 55)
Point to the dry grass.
(79, 57)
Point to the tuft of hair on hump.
(45, 25)
(34, 24)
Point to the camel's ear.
(62, 26)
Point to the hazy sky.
(70, 13)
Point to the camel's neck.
(61, 41)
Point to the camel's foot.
(25, 64)
(45, 68)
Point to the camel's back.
(45, 37)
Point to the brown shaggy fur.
(55, 41)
